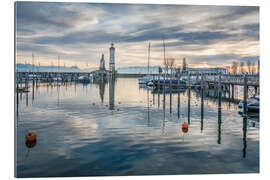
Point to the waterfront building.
(101, 72)
(102, 63)
(111, 92)
(207, 70)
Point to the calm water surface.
(119, 128)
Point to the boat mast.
(32, 63)
(58, 65)
(52, 66)
(148, 58)
(164, 53)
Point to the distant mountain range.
(122, 70)
(29, 67)
(138, 70)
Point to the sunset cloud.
(81, 32)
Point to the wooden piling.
(148, 114)
(188, 105)
(163, 87)
(202, 103)
(170, 95)
(219, 91)
(17, 97)
(158, 85)
(232, 91)
(178, 97)
(219, 110)
(245, 94)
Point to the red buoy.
(185, 127)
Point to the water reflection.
(202, 108)
(170, 98)
(111, 92)
(26, 97)
(148, 113)
(58, 98)
(33, 91)
(102, 90)
(219, 117)
(17, 100)
(91, 140)
(189, 105)
(178, 104)
(102, 82)
(244, 136)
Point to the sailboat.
(146, 79)
(58, 78)
(84, 79)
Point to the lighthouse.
(112, 64)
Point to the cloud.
(52, 17)
(81, 31)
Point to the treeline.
(245, 67)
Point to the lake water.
(120, 128)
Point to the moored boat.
(253, 104)
(173, 83)
(58, 79)
(84, 79)
(145, 79)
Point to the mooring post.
(158, 85)
(219, 125)
(26, 101)
(219, 110)
(202, 103)
(201, 81)
(148, 114)
(163, 88)
(229, 86)
(17, 91)
(33, 82)
(153, 98)
(178, 96)
(188, 98)
(33, 91)
(189, 80)
(232, 91)
(25, 80)
(170, 94)
(245, 94)
(219, 91)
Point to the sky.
(207, 36)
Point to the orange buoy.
(31, 136)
